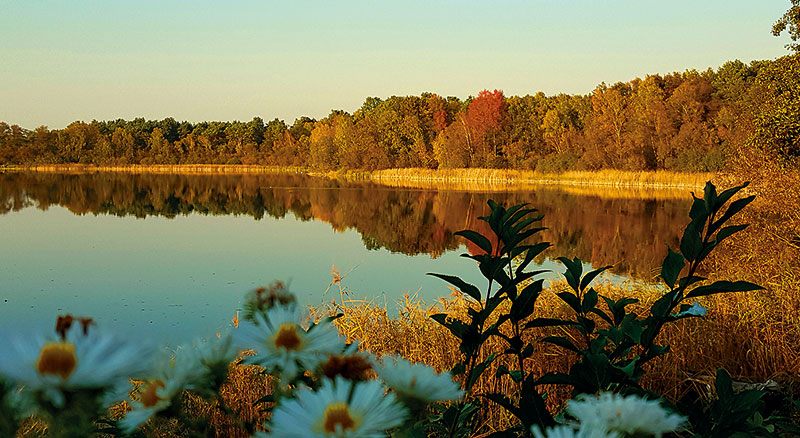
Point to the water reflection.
(630, 234)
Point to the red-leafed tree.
(484, 119)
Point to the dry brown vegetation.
(505, 179)
(168, 169)
(751, 345)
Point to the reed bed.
(750, 345)
(232, 169)
(453, 179)
(504, 179)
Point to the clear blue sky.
(62, 61)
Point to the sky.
(62, 61)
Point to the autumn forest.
(689, 121)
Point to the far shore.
(463, 179)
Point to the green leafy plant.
(503, 264)
(612, 344)
(731, 414)
(616, 343)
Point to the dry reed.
(746, 344)
(502, 179)
(230, 169)
(481, 180)
(753, 346)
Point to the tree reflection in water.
(630, 234)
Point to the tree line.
(689, 121)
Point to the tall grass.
(162, 168)
(751, 345)
(482, 179)
(454, 179)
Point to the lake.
(170, 257)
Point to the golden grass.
(623, 183)
(162, 168)
(747, 344)
(751, 344)
(505, 179)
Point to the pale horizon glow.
(202, 60)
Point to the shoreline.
(425, 178)
(458, 179)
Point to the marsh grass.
(498, 179)
(663, 183)
(751, 345)
(170, 169)
(750, 335)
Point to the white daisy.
(570, 432)
(418, 381)
(216, 355)
(281, 344)
(630, 415)
(216, 350)
(77, 361)
(340, 409)
(171, 376)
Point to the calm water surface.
(170, 257)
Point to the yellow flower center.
(287, 337)
(58, 359)
(150, 395)
(338, 418)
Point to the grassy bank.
(500, 178)
(745, 343)
(232, 169)
(621, 182)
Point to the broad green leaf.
(476, 238)
(728, 194)
(633, 329)
(671, 267)
(532, 252)
(729, 231)
(710, 197)
(735, 207)
(691, 243)
(722, 287)
(589, 300)
(685, 282)
(574, 266)
(602, 315)
(552, 378)
(513, 214)
(663, 305)
(533, 411)
(588, 278)
(571, 300)
(723, 385)
(462, 285)
(585, 325)
(524, 304)
(698, 212)
(478, 370)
